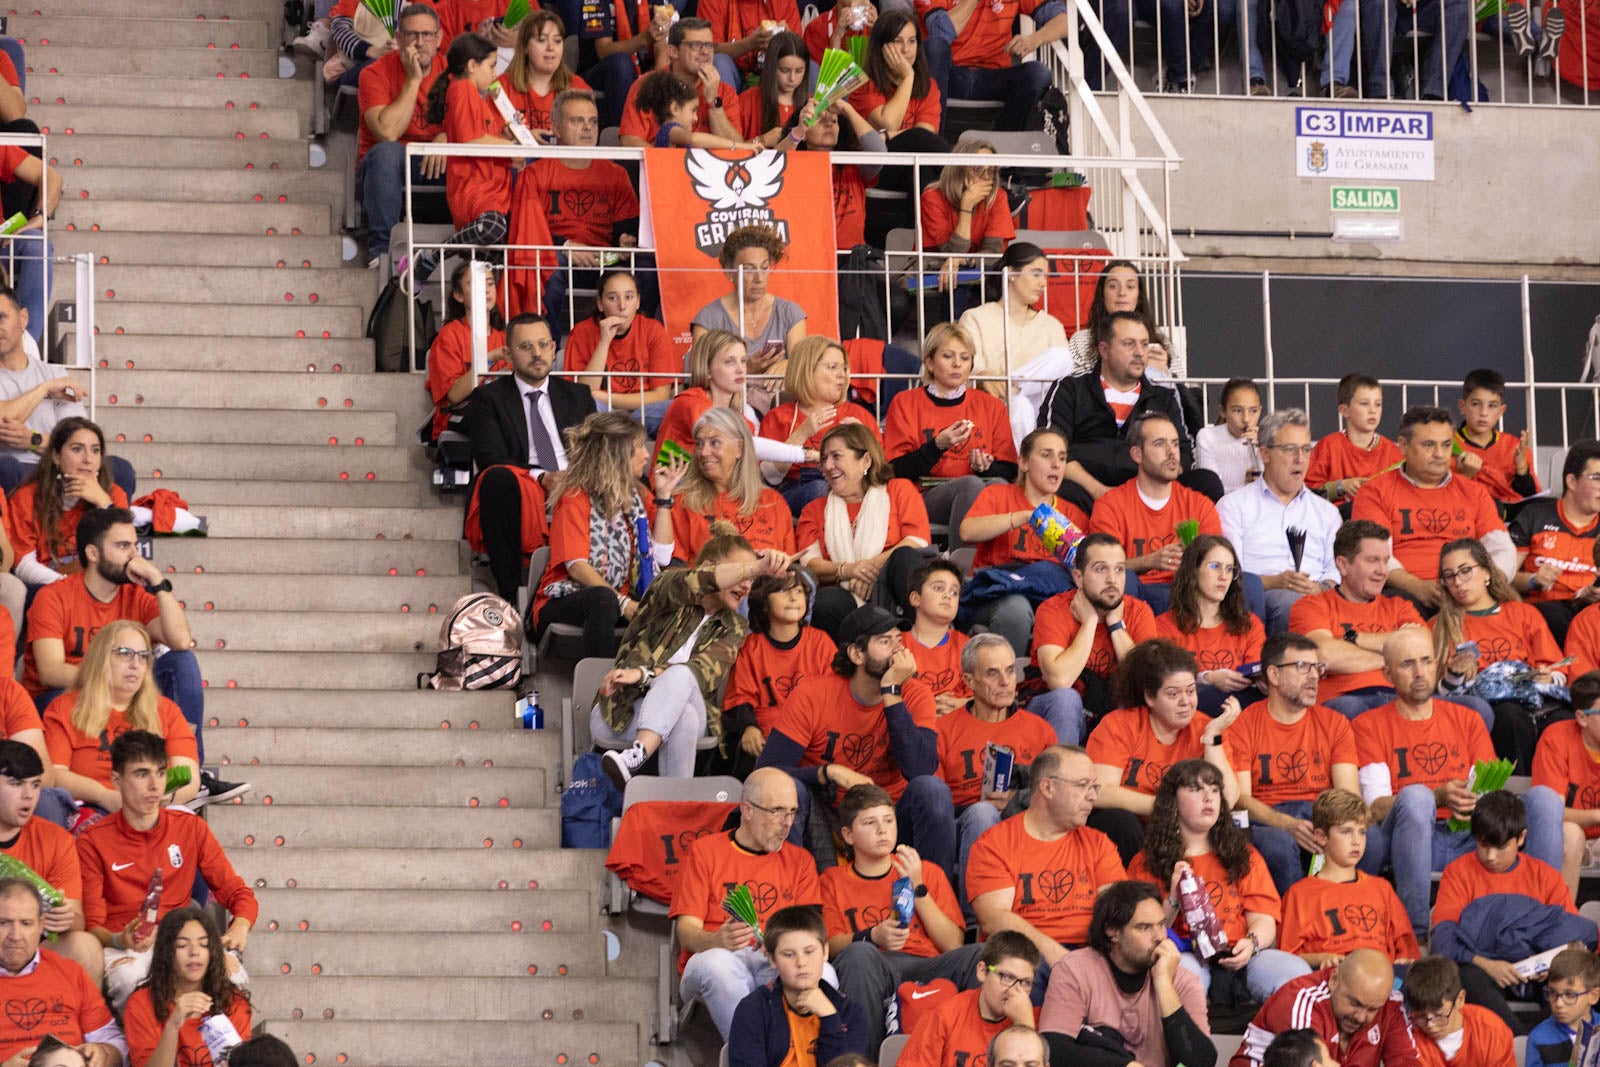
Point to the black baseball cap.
(869, 620)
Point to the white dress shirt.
(1255, 520)
(548, 414)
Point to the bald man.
(1018, 1046)
(1354, 1008)
(721, 960)
(1414, 754)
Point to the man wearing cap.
(868, 721)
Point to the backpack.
(588, 805)
(480, 646)
(387, 328)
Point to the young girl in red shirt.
(188, 981)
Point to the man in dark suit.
(506, 442)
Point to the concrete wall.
(1513, 185)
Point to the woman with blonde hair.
(538, 71)
(115, 691)
(607, 539)
(947, 436)
(718, 367)
(724, 483)
(818, 377)
(966, 213)
(867, 536)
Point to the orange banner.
(695, 197)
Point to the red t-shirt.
(89, 756)
(1486, 1042)
(824, 718)
(952, 1033)
(750, 114)
(784, 419)
(1564, 763)
(144, 1030)
(17, 712)
(473, 185)
(381, 82)
(1499, 458)
(463, 16)
(771, 525)
(1516, 631)
(1443, 747)
(51, 854)
(1332, 611)
(849, 209)
(963, 738)
(644, 351)
(581, 205)
(1055, 882)
(920, 110)
(1335, 458)
(1123, 514)
(1322, 916)
(908, 517)
(1292, 761)
(990, 219)
(685, 410)
(765, 673)
(1583, 642)
(55, 998)
(852, 903)
(1422, 520)
(536, 108)
(118, 862)
(732, 20)
(1254, 893)
(449, 358)
(653, 841)
(717, 862)
(1541, 529)
(818, 36)
(916, 416)
(983, 42)
(58, 548)
(8, 71)
(1021, 545)
(1054, 624)
(939, 667)
(68, 612)
(1214, 647)
(1124, 739)
(642, 124)
(1465, 880)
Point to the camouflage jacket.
(669, 613)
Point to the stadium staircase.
(415, 906)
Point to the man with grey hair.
(1258, 518)
(987, 729)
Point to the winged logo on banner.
(726, 184)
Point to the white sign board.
(1368, 143)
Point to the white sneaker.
(621, 766)
(315, 40)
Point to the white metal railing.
(1210, 54)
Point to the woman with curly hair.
(1209, 617)
(188, 981)
(1191, 830)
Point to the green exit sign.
(1366, 198)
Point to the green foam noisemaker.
(838, 77)
(177, 778)
(383, 11)
(739, 904)
(1485, 777)
(671, 452)
(1188, 530)
(516, 11)
(857, 47)
(14, 223)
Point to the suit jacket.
(497, 418)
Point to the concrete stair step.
(600, 999)
(243, 555)
(277, 631)
(189, 153)
(56, 119)
(399, 393)
(156, 91)
(220, 320)
(432, 910)
(316, 670)
(343, 593)
(401, 787)
(267, 11)
(466, 1044)
(178, 352)
(335, 523)
(262, 827)
(196, 217)
(238, 285)
(373, 429)
(216, 251)
(114, 31)
(274, 462)
(448, 955)
(397, 868)
(399, 709)
(91, 61)
(322, 186)
(206, 495)
(339, 747)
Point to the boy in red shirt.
(960, 1029)
(1447, 1029)
(935, 644)
(1500, 463)
(1568, 761)
(1345, 461)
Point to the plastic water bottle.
(221, 1037)
(1205, 929)
(529, 711)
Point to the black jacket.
(1077, 407)
(759, 1036)
(497, 418)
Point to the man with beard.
(1128, 978)
(1353, 1007)
(1081, 635)
(872, 721)
(116, 583)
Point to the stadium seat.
(642, 789)
(1013, 142)
(889, 1051)
(575, 736)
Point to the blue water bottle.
(530, 712)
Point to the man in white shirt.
(1257, 518)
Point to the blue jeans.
(924, 811)
(382, 179)
(808, 486)
(1279, 601)
(31, 271)
(1113, 16)
(1181, 34)
(1450, 22)
(13, 472)
(1356, 701)
(728, 70)
(1278, 848)
(973, 820)
(1264, 974)
(1009, 616)
(1063, 710)
(1019, 86)
(1376, 34)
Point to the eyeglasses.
(1302, 666)
(1459, 575)
(1082, 785)
(1428, 1018)
(1557, 996)
(699, 46)
(781, 814)
(1227, 570)
(123, 654)
(1584, 713)
(546, 345)
(1008, 979)
(1303, 451)
(418, 35)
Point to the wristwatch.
(663, 501)
(35, 439)
(890, 690)
(164, 586)
(716, 101)
(1114, 627)
(921, 891)
(1350, 634)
